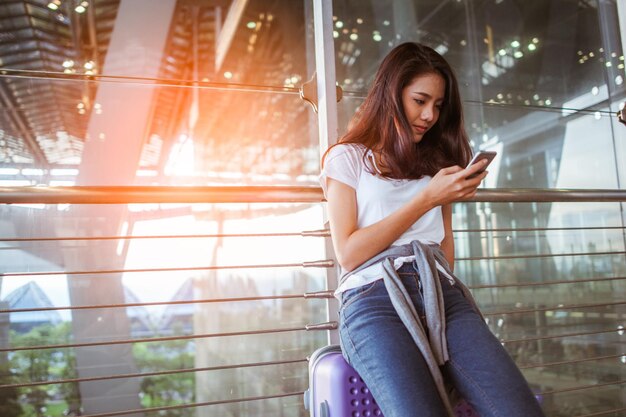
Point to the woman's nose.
(427, 114)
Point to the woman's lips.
(420, 129)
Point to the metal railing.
(264, 194)
(292, 194)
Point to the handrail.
(191, 405)
(306, 296)
(265, 194)
(251, 365)
(327, 294)
(547, 195)
(305, 233)
(559, 336)
(325, 263)
(583, 387)
(307, 327)
(159, 194)
(554, 308)
(148, 81)
(559, 363)
(322, 263)
(157, 373)
(603, 413)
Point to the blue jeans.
(378, 346)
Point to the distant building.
(30, 296)
(141, 321)
(179, 314)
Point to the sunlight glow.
(199, 252)
(181, 159)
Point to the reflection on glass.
(195, 94)
(525, 70)
(203, 88)
(550, 280)
(532, 53)
(538, 79)
(169, 282)
(170, 93)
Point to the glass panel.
(541, 82)
(550, 280)
(519, 75)
(570, 404)
(205, 94)
(167, 93)
(160, 277)
(241, 137)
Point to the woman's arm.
(447, 244)
(353, 246)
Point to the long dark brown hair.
(380, 123)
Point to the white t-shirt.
(378, 197)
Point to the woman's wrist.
(427, 200)
(424, 202)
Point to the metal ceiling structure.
(39, 121)
(240, 103)
(52, 53)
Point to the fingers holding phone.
(458, 184)
(479, 164)
(476, 171)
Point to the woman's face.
(422, 100)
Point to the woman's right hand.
(452, 184)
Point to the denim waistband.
(408, 268)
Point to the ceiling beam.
(227, 32)
(22, 127)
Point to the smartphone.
(488, 155)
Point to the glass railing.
(207, 301)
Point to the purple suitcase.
(336, 390)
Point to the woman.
(406, 323)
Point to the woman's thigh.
(377, 344)
(479, 366)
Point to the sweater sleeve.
(342, 163)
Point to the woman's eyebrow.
(421, 93)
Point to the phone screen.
(488, 155)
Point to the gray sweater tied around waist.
(432, 340)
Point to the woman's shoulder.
(351, 151)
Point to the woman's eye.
(418, 101)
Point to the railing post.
(325, 69)
(327, 116)
(619, 138)
(621, 17)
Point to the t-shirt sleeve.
(342, 163)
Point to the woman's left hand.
(454, 184)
